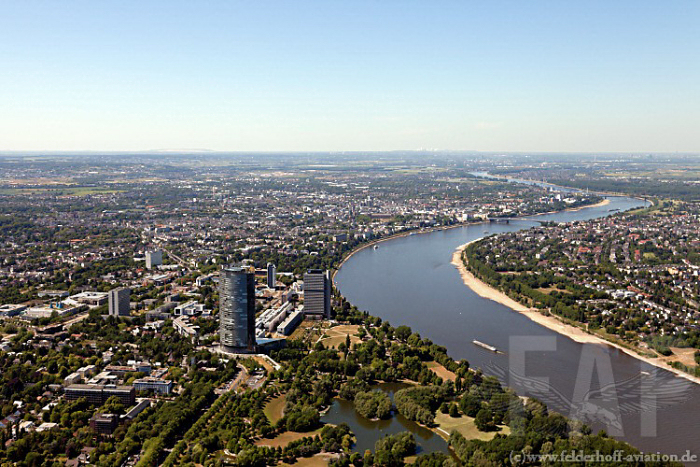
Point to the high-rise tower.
(317, 293)
(237, 309)
(271, 275)
(119, 301)
(154, 258)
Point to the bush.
(470, 405)
(484, 420)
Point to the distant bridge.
(508, 220)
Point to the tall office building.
(237, 309)
(154, 258)
(119, 301)
(317, 293)
(271, 275)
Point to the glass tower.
(237, 309)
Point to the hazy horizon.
(442, 152)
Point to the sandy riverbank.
(605, 202)
(551, 322)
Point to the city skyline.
(312, 76)
(169, 310)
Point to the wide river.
(410, 280)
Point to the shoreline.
(604, 202)
(454, 226)
(399, 235)
(550, 322)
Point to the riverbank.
(551, 322)
(604, 202)
(399, 235)
(453, 226)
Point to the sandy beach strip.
(605, 202)
(550, 322)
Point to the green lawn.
(285, 438)
(274, 409)
(465, 425)
(319, 460)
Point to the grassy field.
(548, 290)
(335, 335)
(274, 409)
(464, 425)
(306, 330)
(441, 371)
(319, 460)
(686, 356)
(285, 438)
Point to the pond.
(368, 431)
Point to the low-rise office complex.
(158, 385)
(98, 394)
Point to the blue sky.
(350, 75)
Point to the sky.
(339, 75)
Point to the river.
(409, 280)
